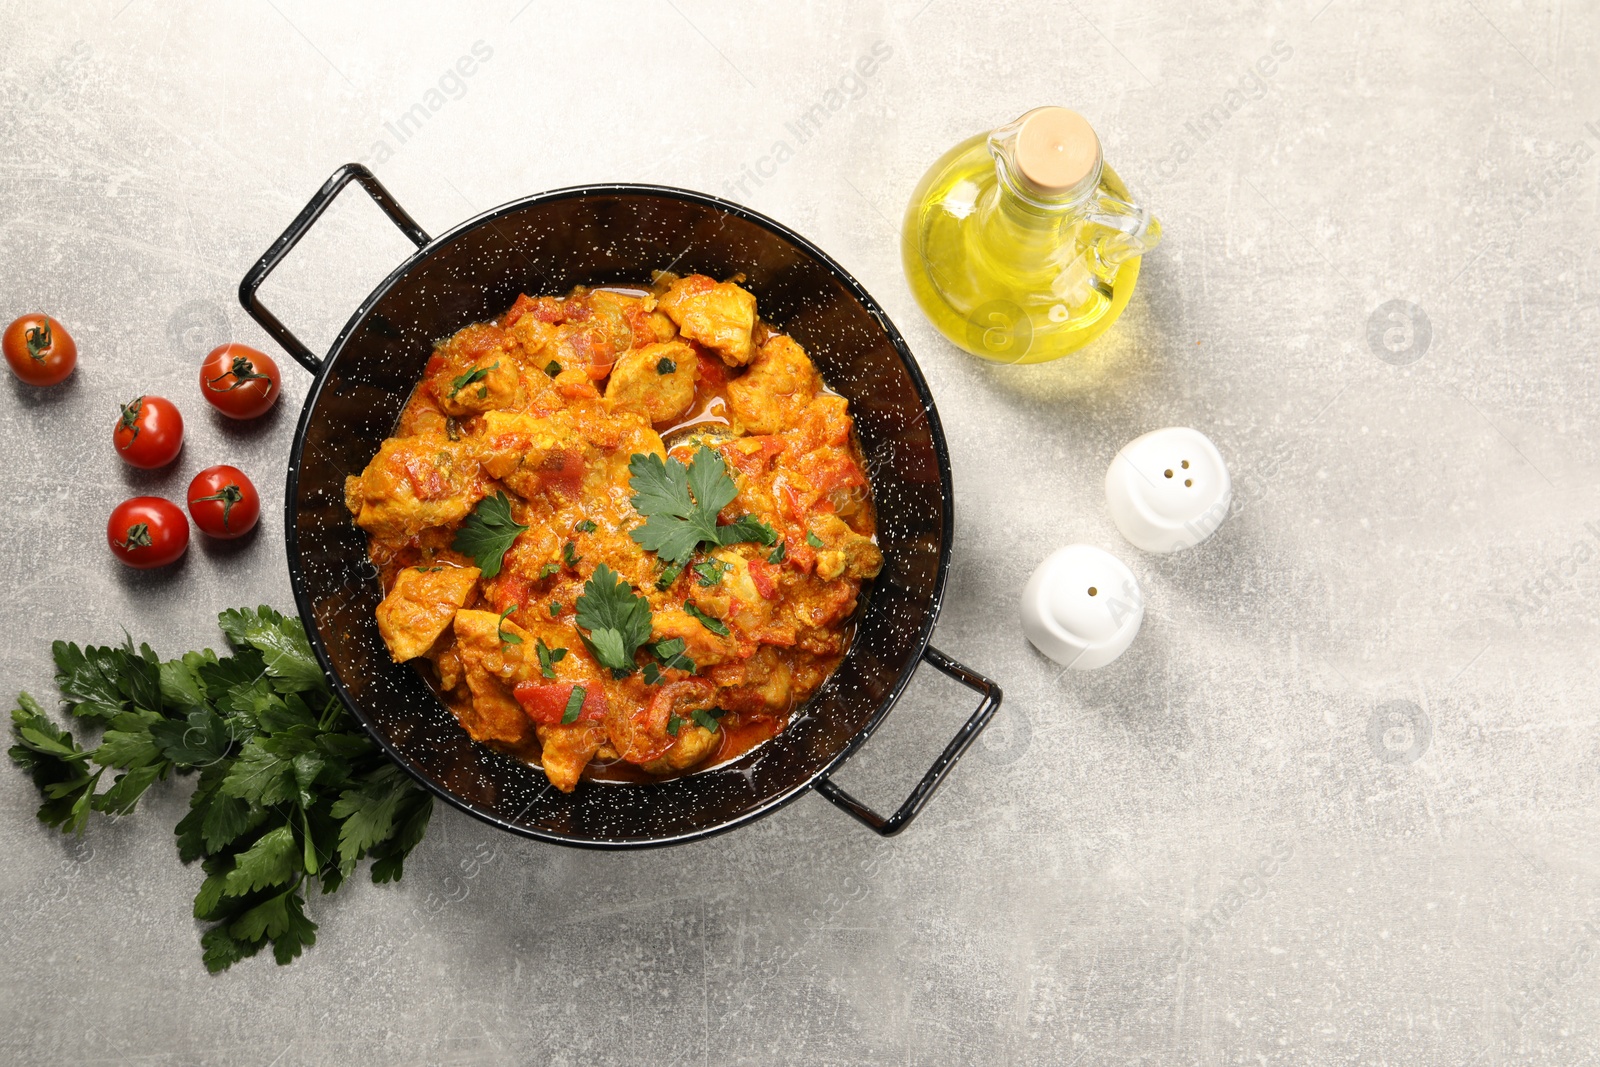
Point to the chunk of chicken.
(719, 315)
(657, 381)
(625, 318)
(492, 667)
(485, 385)
(644, 735)
(736, 598)
(693, 745)
(700, 644)
(760, 685)
(414, 483)
(844, 551)
(474, 371)
(421, 605)
(566, 749)
(421, 415)
(531, 340)
(531, 454)
(781, 381)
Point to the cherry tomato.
(149, 432)
(223, 502)
(40, 350)
(147, 531)
(240, 381)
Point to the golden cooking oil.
(1022, 245)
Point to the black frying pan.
(606, 235)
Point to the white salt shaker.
(1082, 607)
(1168, 490)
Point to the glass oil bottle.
(1022, 245)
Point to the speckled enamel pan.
(600, 235)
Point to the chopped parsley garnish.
(488, 532)
(707, 717)
(547, 570)
(552, 368)
(779, 554)
(680, 505)
(574, 705)
(548, 657)
(813, 540)
(507, 638)
(671, 654)
(569, 554)
(586, 526)
(452, 428)
(666, 366)
(709, 572)
(668, 575)
(618, 619)
(675, 723)
(555, 608)
(715, 625)
(472, 377)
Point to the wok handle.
(947, 759)
(298, 229)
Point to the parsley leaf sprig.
(488, 533)
(472, 377)
(710, 622)
(671, 655)
(709, 572)
(548, 658)
(705, 718)
(575, 699)
(680, 505)
(291, 791)
(506, 636)
(618, 620)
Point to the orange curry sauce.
(548, 405)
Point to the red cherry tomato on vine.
(149, 432)
(147, 531)
(40, 350)
(240, 381)
(223, 502)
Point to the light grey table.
(1336, 805)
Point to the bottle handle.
(1122, 230)
(1130, 229)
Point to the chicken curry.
(624, 531)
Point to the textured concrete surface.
(1337, 804)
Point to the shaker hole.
(1169, 472)
(1188, 483)
(1093, 590)
(1185, 464)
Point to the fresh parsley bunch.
(291, 791)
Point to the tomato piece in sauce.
(834, 481)
(764, 577)
(713, 372)
(426, 481)
(752, 455)
(546, 702)
(524, 304)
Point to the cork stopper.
(1056, 149)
